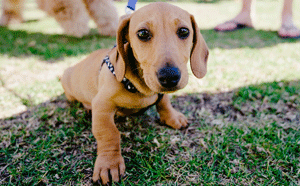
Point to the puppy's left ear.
(122, 38)
(199, 53)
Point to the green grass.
(21, 43)
(244, 115)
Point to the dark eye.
(183, 33)
(144, 35)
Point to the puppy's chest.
(131, 104)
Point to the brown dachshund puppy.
(154, 45)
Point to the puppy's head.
(162, 37)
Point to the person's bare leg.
(243, 18)
(288, 29)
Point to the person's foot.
(289, 31)
(242, 20)
(230, 26)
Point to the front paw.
(174, 119)
(109, 168)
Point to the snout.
(169, 76)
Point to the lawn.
(244, 115)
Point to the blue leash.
(130, 6)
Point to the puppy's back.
(80, 81)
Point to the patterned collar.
(127, 84)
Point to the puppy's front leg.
(109, 159)
(169, 116)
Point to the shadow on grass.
(53, 143)
(244, 38)
(50, 47)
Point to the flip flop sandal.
(237, 26)
(291, 27)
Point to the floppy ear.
(122, 35)
(199, 53)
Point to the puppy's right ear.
(122, 38)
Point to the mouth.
(168, 90)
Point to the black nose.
(169, 76)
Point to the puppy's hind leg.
(69, 97)
(87, 106)
(65, 82)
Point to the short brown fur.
(139, 61)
